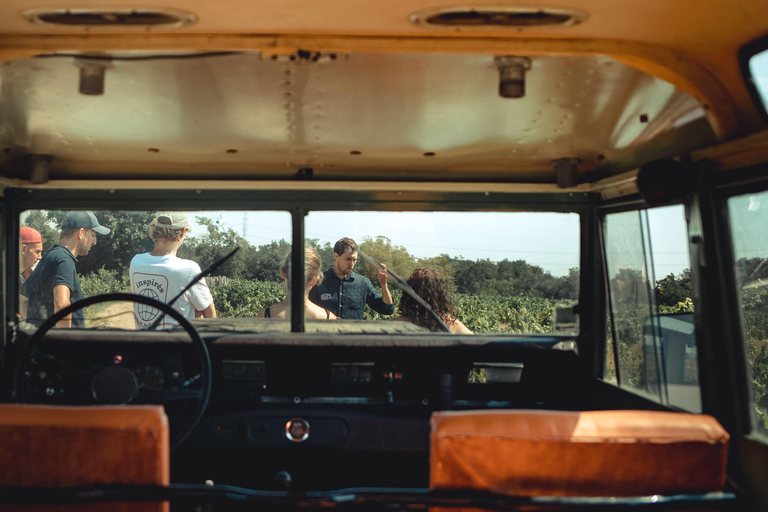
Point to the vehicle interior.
(583, 182)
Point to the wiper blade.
(406, 288)
(207, 270)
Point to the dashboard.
(285, 405)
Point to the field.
(481, 313)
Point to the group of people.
(339, 292)
(50, 283)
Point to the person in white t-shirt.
(161, 275)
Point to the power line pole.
(245, 225)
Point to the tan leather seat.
(556, 453)
(52, 446)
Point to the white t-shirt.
(162, 278)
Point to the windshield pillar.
(298, 279)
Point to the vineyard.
(243, 298)
(481, 313)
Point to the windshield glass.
(478, 272)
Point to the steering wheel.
(117, 377)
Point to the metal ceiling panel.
(363, 115)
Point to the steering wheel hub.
(114, 385)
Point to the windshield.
(410, 272)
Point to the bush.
(484, 314)
(242, 298)
(494, 314)
(102, 281)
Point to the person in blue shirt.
(345, 293)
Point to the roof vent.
(497, 17)
(115, 17)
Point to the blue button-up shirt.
(346, 298)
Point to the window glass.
(504, 271)
(749, 227)
(758, 68)
(651, 330)
(242, 287)
(480, 272)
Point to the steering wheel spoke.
(72, 373)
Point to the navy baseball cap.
(84, 219)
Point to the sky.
(475, 235)
(549, 240)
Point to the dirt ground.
(115, 315)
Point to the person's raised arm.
(61, 299)
(386, 296)
(378, 301)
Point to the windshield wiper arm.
(406, 288)
(207, 270)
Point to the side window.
(758, 69)
(749, 227)
(651, 345)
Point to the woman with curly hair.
(430, 286)
(312, 265)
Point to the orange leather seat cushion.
(556, 453)
(58, 446)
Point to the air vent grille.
(109, 17)
(501, 17)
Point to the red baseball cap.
(29, 235)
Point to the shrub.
(102, 281)
(242, 298)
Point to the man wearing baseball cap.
(54, 284)
(31, 250)
(162, 275)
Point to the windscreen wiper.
(207, 270)
(406, 288)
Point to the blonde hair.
(312, 266)
(172, 235)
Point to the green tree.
(214, 243)
(473, 277)
(443, 265)
(672, 290)
(569, 285)
(325, 251)
(267, 259)
(395, 257)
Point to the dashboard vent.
(110, 17)
(497, 17)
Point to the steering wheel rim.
(206, 371)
